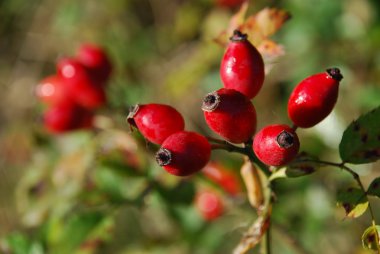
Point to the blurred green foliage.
(102, 192)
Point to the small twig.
(358, 180)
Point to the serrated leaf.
(361, 140)
(370, 238)
(374, 188)
(354, 201)
(253, 183)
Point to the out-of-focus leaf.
(254, 234)
(17, 243)
(253, 183)
(370, 238)
(258, 26)
(361, 140)
(374, 188)
(354, 201)
(236, 21)
(182, 193)
(76, 230)
(264, 24)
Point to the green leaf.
(361, 140)
(370, 236)
(354, 201)
(302, 165)
(182, 193)
(76, 230)
(374, 188)
(16, 243)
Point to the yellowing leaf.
(264, 24)
(259, 27)
(236, 21)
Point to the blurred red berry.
(223, 177)
(242, 66)
(81, 86)
(67, 117)
(276, 145)
(96, 60)
(230, 114)
(209, 204)
(156, 122)
(229, 3)
(314, 98)
(52, 90)
(184, 153)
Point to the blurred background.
(101, 192)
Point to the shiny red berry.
(220, 175)
(66, 117)
(242, 66)
(156, 122)
(209, 204)
(184, 153)
(96, 60)
(230, 114)
(314, 98)
(52, 90)
(276, 145)
(84, 90)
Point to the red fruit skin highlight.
(233, 118)
(269, 151)
(242, 66)
(52, 90)
(189, 153)
(313, 99)
(156, 122)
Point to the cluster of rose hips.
(76, 90)
(230, 113)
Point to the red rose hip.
(96, 61)
(84, 90)
(156, 122)
(314, 98)
(66, 117)
(184, 153)
(276, 145)
(230, 114)
(209, 204)
(52, 90)
(242, 66)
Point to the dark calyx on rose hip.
(156, 122)
(242, 66)
(314, 98)
(276, 145)
(230, 114)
